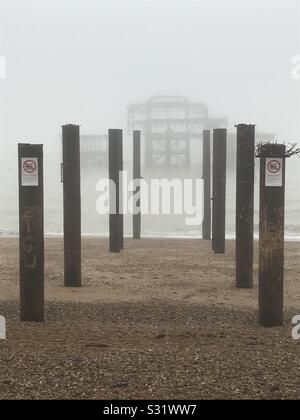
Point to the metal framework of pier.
(168, 124)
(93, 149)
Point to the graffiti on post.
(29, 217)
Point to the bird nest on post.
(283, 150)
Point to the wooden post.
(271, 234)
(31, 232)
(114, 155)
(121, 215)
(245, 205)
(206, 227)
(72, 205)
(136, 178)
(219, 189)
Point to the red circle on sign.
(29, 166)
(274, 166)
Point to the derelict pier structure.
(168, 124)
(93, 149)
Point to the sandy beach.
(161, 320)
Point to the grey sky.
(84, 61)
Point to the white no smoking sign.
(274, 172)
(30, 172)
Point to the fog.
(85, 61)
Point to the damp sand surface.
(161, 320)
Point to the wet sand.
(161, 320)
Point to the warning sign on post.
(30, 172)
(274, 172)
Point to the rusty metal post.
(114, 155)
(271, 234)
(245, 205)
(206, 158)
(136, 177)
(219, 189)
(72, 205)
(31, 232)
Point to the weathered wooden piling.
(219, 189)
(245, 205)
(271, 234)
(136, 223)
(115, 157)
(121, 215)
(31, 232)
(206, 158)
(72, 205)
